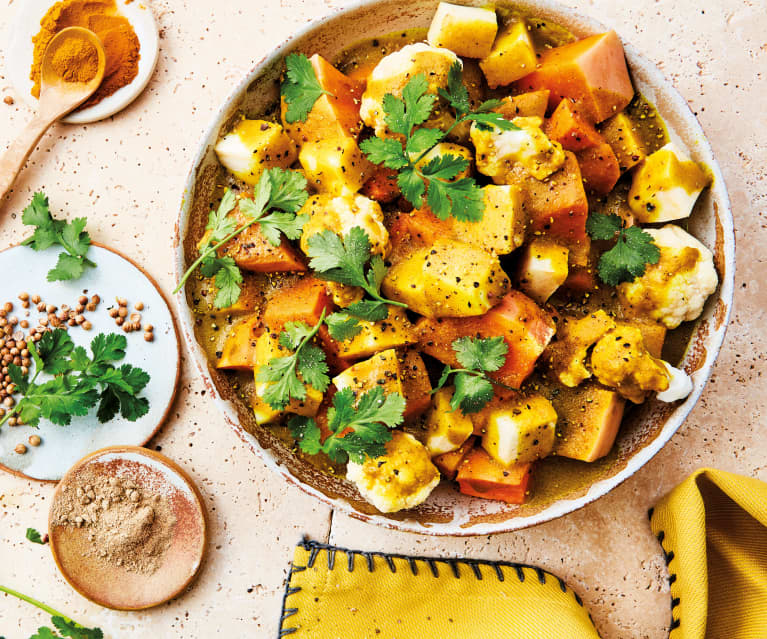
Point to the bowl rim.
(570, 18)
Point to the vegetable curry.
(451, 254)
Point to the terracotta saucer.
(114, 586)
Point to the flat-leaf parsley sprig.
(49, 231)
(462, 198)
(473, 387)
(358, 429)
(634, 248)
(300, 88)
(79, 381)
(345, 260)
(280, 189)
(306, 359)
(64, 626)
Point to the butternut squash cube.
(479, 475)
(335, 165)
(542, 269)
(512, 57)
(467, 31)
(599, 169)
(404, 282)
(532, 104)
(253, 146)
(268, 347)
(449, 463)
(621, 133)
(502, 228)
(666, 186)
(381, 370)
(395, 331)
(239, 350)
(446, 429)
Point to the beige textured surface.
(126, 174)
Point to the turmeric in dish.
(121, 45)
(76, 60)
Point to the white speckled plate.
(24, 270)
(20, 49)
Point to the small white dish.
(20, 49)
(24, 270)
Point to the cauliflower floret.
(395, 70)
(675, 289)
(498, 151)
(621, 361)
(567, 355)
(402, 478)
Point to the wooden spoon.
(57, 98)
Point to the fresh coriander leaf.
(395, 116)
(445, 167)
(300, 88)
(629, 258)
(472, 393)
(54, 349)
(44, 633)
(603, 227)
(293, 333)
(313, 368)
(68, 628)
(375, 406)
(488, 105)
(386, 151)
(277, 223)
(74, 238)
(481, 354)
(412, 186)
(342, 326)
(35, 537)
(338, 260)
(377, 272)
(228, 279)
(491, 120)
(220, 223)
(288, 190)
(418, 103)
(462, 198)
(306, 433)
(422, 140)
(369, 310)
(37, 213)
(18, 378)
(456, 94)
(284, 386)
(67, 267)
(109, 406)
(108, 347)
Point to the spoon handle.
(12, 161)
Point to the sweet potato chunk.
(303, 301)
(382, 186)
(239, 351)
(479, 475)
(253, 252)
(570, 129)
(526, 328)
(332, 115)
(525, 105)
(592, 72)
(621, 133)
(448, 463)
(416, 386)
(599, 168)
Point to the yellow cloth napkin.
(334, 593)
(713, 530)
(712, 527)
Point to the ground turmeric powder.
(121, 45)
(75, 60)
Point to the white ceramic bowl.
(645, 430)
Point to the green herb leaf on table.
(345, 260)
(473, 387)
(306, 360)
(35, 537)
(634, 249)
(300, 88)
(49, 231)
(359, 429)
(446, 195)
(280, 189)
(80, 382)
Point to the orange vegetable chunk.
(239, 350)
(479, 475)
(570, 129)
(599, 168)
(382, 185)
(525, 105)
(448, 463)
(332, 115)
(592, 72)
(415, 385)
(302, 301)
(526, 328)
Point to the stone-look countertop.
(126, 174)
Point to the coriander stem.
(51, 611)
(211, 249)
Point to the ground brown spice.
(75, 60)
(121, 45)
(126, 525)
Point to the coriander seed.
(20, 449)
(34, 440)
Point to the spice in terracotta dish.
(127, 526)
(121, 45)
